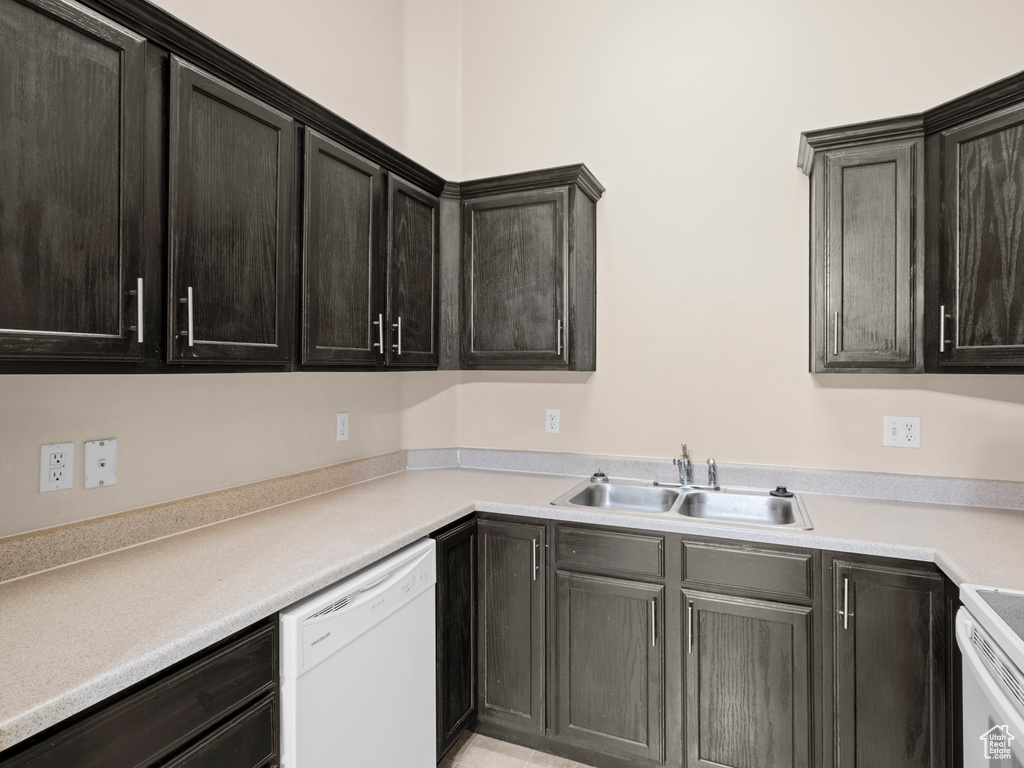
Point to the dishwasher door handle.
(376, 582)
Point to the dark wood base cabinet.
(653, 649)
(456, 631)
(886, 666)
(217, 709)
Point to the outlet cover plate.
(551, 420)
(101, 463)
(56, 466)
(901, 431)
(342, 429)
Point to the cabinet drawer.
(760, 571)
(166, 714)
(245, 741)
(609, 551)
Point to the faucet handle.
(686, 453)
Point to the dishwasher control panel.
(335, 617)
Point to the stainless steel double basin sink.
(735, 506)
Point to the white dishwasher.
(358, 669)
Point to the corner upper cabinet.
(230, 224)
(343, 216)
(73, 278)
(867, 230)
(979, 312)
(414, 234)
(529, 290)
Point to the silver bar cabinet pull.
(379, 343)
(535, 543)
(845, 613)
(187, 301)
(654, 628)
(689, 628)
(398, 325)
(137, 293)
(559, 352)
(835, 335)
(943, 317)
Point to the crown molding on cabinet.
(577, 174)
(169, 32)
(857, 134)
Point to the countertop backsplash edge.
(28, 553)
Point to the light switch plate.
(901, 431)
(56, 466)
(100, 463)
(342, 431)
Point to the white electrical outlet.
(901, 431)
(342, 429)
(551, 419)
(56, 466)
(100, 463)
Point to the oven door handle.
(973, 665)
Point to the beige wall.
(183, 435)
(689, 112)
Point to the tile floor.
(475, 751)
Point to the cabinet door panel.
(230, 231)
(70, 202)
(888, 687)
(456, 633)
(413, 238)
(610, 662)
(512, 622)
(515, 266)
(983, 241)
(869, 257)
(748, 683)
(341, 254)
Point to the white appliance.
(990, 633)
(358, 669)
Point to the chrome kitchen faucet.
(686, 473)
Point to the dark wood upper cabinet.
(748, 671)
(981, 304)
(343, 233)
(867, 285)
(414, 234)
(917, 239)
(71, 122)
(230, 223)
(511, 619)
(886, 660)
(529, 271)
(610, 657)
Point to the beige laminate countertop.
(72, 636)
